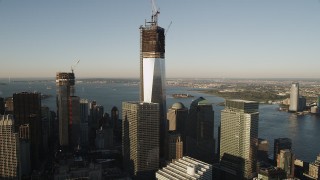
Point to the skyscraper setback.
(65, 89)
(152, 69)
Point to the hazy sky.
(207, 38)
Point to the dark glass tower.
(2, 107)
(140, 134)
(65, 89)
(199, 131)
(27, 115)
(152, 70)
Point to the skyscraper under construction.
(65, 89)
(152, 69)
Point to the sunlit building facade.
(152, 71)
(9, 149)
(294, 97)
(239, 137)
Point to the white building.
(185, 168)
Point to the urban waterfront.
(304, 130)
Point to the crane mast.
(155, 13)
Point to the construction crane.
(75, 65)
(155, 12)
(168, 28)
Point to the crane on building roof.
(74, 65)
(155, 13)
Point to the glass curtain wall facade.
(65, 88)
(239, 137)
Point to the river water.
(303, 130)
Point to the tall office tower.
(140, 135)
(84, 110)
(117, 124)
(152, 70)
(27, 111)
(239, 137)
(96, 114)
(65, 88)
(280, 144)
(9, 149)
(294, 97)
(2, 107)
(115, 117)
(286, 162)
(199, 131)
(263, 148)
(177, 116)
(74, 121)
(302, 103)
(104, 137)
(84, 127)
(175, 146)
(45, 130)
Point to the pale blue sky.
(207, 39)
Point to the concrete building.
(177, 117)
(9, 149)
(9, 105)
(280, 144)
(185, 168)
(239, 138)
(65, 88)
(140, 135)
(27, 113)
(314, 169)
(199, 131)
(271, 173)
(175, 146)
(294, 97)
(152, 70)
(285, 161)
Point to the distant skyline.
(207, 39)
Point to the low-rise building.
(185, 168)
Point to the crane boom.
(168, 28)
(74, 66)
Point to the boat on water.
(181, 95)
